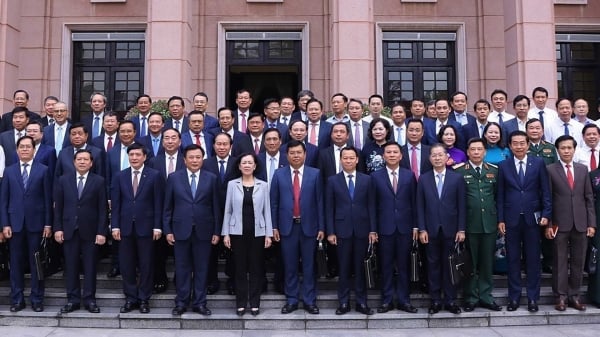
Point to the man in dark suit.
(297, 221)
(9, 138)
(396, 220)
(272, 112)
(475, 128)
(442, 108)
(222, 164)
(93, 121)
(20, 100)
(256, 126)
(415, 155)
(243, 100)
(302, 98)
(80, 213)
(26, 215)
(442, 220)
(48, 113)
(241, 141)
(359, 129)
(200, 101)
(177, 120)
(109, 138)
(152, 141)
(196, 134)
(298, 131)
(319, 131)
(56, 134)
(142, 120)
(458, 101)
(521, 107)
(192, 221)
(137, 200)
(167, 162)
(481, 179)
(43, 154)
(78, 136)
(524, 203)
(573, 220)
(350, 219)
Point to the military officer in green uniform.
(540, 148)
(482, 223)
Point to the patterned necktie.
(51, 121)
(197, 135)
(25, 175)
(351, 186)
(177, 126)
(256, 146)
(80, 187)
(285, 120)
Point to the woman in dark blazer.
(247, 231)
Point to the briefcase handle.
(321, 246)
(371, 250)
(415, 244)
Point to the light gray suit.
(232, 221)
(573, 212)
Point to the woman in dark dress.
(372, 153)
(594, 280)
(247, 231)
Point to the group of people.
(285, 179)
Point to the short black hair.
(137, 100)
(565, 138)
(137, 146)
(78, 125)
(83, 151)
(294, 143)
(192, 147)
(173, 98)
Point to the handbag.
(321, 259)
(415, 262)
(370, 266)
(42, 259)
(591, 259)
(461, 266)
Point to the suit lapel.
(561, 173)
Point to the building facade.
(398, 48)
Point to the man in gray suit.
(573, 219)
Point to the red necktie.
(296, 212)
(395, 181)
(244, 125)
(593, 164)
(198, 139)
(110, 144)
(256, 147)
(570, 177)
(313, 134)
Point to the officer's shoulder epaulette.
(459, 165)
(491, 165)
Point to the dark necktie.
(542, 117)
(193, 185)
(521, 172)
(500, 118)
(222, 169)
(351, 186)
(25, 175)
(109, 146)
(80, 187)
(478, 170)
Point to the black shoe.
(364, 309)
(202, 310)
(547, 269)
(407, 307)
(128, 307)
(385, 307)
(289, 308)
(453, 308)
(113, 272)
(255, 311)
(331, 274)
(342, 309)
(240, 311)
(69, 307)
(435, 308)
(469, 306)
(92, 307)
(512, 306)
(532, 306)
(490, 306)
(17, 307)
(311, 309)
(213, 288)
(160, 287)
(178, 311)
(37, 307)
(144, 307)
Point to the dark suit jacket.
(210, 122)
(430, 137)
(344, 216)
(7, 141)
(159, 163)
(138, 126)
(147, 142)
(311, 201)
(571, 207)
(425, 163)
(324, 139)
(64, 163)
(514, 198)
(88, 121)
(395, 212)
(470, 118)
(113, 164)
(6, 121)
(46, 155)
(312, 154)
(48, 137)
(182, 211)
(87, 214)
(99, 142)
(186, 139)
(241, 142)
(212, 165)
(448, 212)
(508, 127)
(137, 215)
(26, 209)
(471, 130)
(262, 158)
(184, 128)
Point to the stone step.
(272, 319)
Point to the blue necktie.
(271, 169)
(222, 169)
(193, 185)
(143, 128)
(566, 129)
(155, 146)
(80, 187)
(95, 127)
(25, 175)
(58, 143)
(542, 117)
(440, 185)
(521, 173)
(124, 158)
(500, 118)
(351, 186)
(177, 126)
